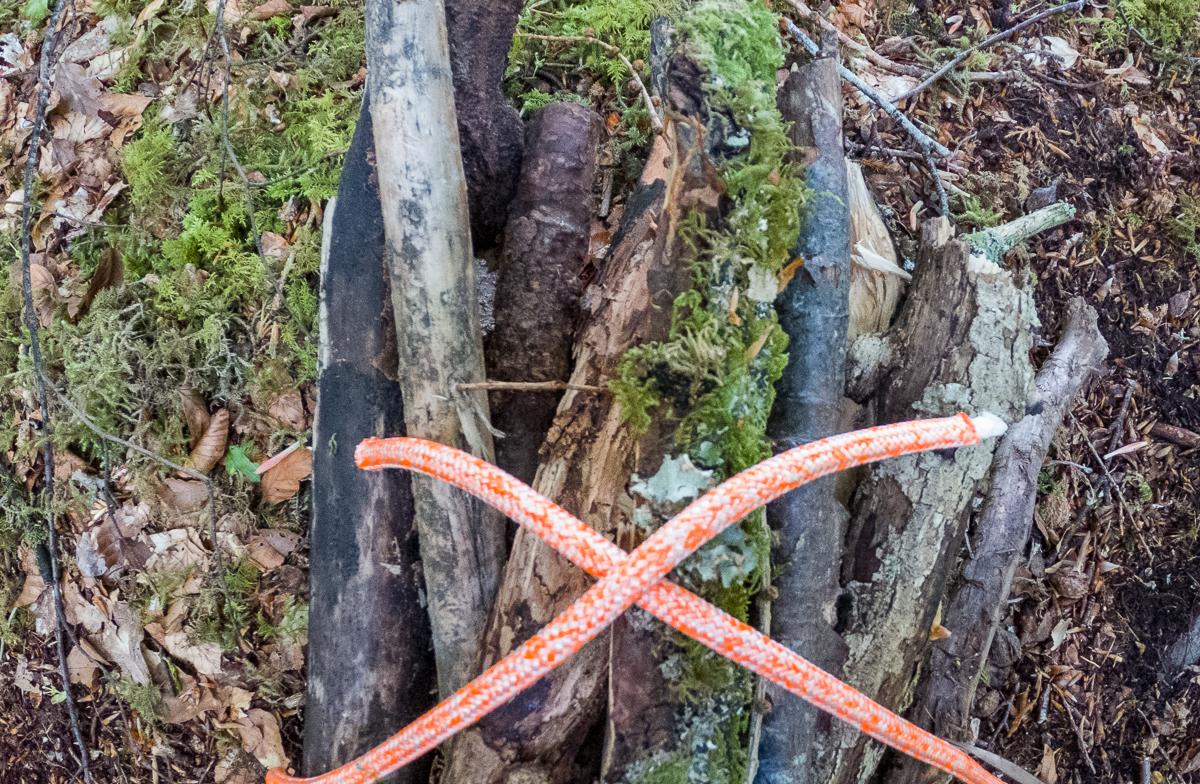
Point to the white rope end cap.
(988, 425)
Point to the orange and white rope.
(638, 577)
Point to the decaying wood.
(489, 128)
(539, 286)
(369, 668)
(961, 342)
(587, 459)
(1002, 531)
(423, 193)
(809, 522)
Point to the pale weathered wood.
(423, 193)
(960, 343)
(1002, 531)
(370, 671)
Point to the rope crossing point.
(626, 579)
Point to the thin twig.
(528, 386)
(928, 145)
(228, 150)
(31, 322)
(212, 498)
(301, 172)
(655, 120)
(1077, 5)
(920, 137)
(758, 705)
(850, 43)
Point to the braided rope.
(637, 577)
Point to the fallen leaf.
(121, 642)
(148, 12)
(287, 410)
(186, 495)
(179, 548)
(83, 663)
(275, 246)
(283, 541)
(263, 553)
(939, 632)
(211, 448)
(283, 481)
(1048, 770)
(195, 412)
(260, 738)
(109, 274)
(23, 678)
(270, 9)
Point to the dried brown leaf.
(283, 481)
(261, 739)
(195, 412)
(287, 410)
(211, 448)
(186, 495)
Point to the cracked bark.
(586, 462)
(489, 128)
(1002, 531)
(961, 342)
(539, 287)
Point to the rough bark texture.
(539, 286)
(370, 668)
(814, 312)
(1001, 534)
(960, 343)
(492, 136)
(423, 193)
(586, 462)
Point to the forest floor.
(183, 676)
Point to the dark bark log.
(587, 459)
(423, 194)
(960, 343)
(1002, 532)
(814, 312)
(370, 657)
(489, 128)
(539, 286)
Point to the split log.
(423, 193)
(1002, 531)
(539, 286)
(369, 668)
(489, 128)
(587, 459)
(960, 343)
(809, 522)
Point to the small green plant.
(1168, 26)
(978, 215)
(144, 698)
(1047, 483)
(1187, 223)
(238, 464)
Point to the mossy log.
(423, 193)
(540, 277)
(1002, 531)
(587, 459)
(369, 668)
(961, 342)
(809, 522)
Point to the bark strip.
(369, 668)
(539, 287)
(1002, 532)
(814, 311)
(423, 192)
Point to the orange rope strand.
(637, 577)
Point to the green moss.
(1187, 223)
(1169, 26)
(714, 376)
